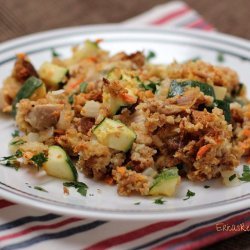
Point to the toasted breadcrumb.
(186, 130)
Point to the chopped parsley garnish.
(137, 203)
(18, 154)
(9, 161)
(137, 78)
(83, 87)
(54, 53)
(194, 59)
(159, 201)
(151, 86)
(246, 173)
(206, 186)
(40, 189)
(189, 194)
(71, 99)
(11, 164)
(220, 57)
(28, 185)
(79, 186)
(17, 142)
(240, 87)
(129, 168)
(39, 159)
(151, 54)
(15, 133)
(232, 177)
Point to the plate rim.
(200, 33)
(220, 209)
(135, 216)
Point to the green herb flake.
(246, 173)
(79, 186)
(7, 158)
(11, 164)
(236, 92)
(18, 154)
(83, 87)
(151, 54)
(152, 86)
(15, 134)
(40, 189)
(189, 194)
(71, 99)
(206, 186)
(17, 142)
(232, 177)
(129, 168)
(194, 59)
(39, 159)
(220, 57)
(137, 203)
(137, 78)
(11, 160)
(159, 201)
(55, 53)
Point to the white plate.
(102, 201)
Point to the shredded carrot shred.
(121, 170)
(98, 41)
(28, 155)
(21, 55)
(128, 98)
(203, 150)
(73, 85)
(246, 132)
(59, 131)
(92, 59)
(65, 191)
(245, 145)
(109, 180)
(148, 94)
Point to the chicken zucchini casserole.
(122, 120)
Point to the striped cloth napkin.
(26, 228)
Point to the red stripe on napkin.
(38, 228)
(212, 235)
(4, 203)
(170, 16)
(195, 23)
(199, 23)
(132, 235)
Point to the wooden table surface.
(21, 17)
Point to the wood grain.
(20, 17)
